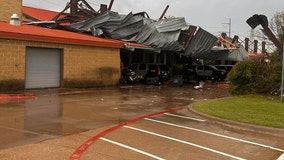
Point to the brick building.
(35, 57)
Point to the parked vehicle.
(140, 69)
(189, 73)
(211, 72)
(151, 73)
(225, 67)
(157, 74)
(128, 76)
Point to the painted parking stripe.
(131, 148)
(83, 147)
(191, 118)
(185, 142)
(218, 135)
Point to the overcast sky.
(212, 15)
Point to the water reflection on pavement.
(57, 112)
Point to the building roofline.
(34, 33)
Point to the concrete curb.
(238, 125)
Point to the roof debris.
(163, 34)
(170, 34)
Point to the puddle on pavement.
(61, 112)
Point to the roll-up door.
(42, 68)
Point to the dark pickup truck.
(211, 72)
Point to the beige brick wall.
(12, 63)
(88, 65)
(82, 66)
(7, 8)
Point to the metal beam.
(73, 6)
(110, 5)
(164, 12)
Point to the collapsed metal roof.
(203, 46)
(170, 34)
(137, 28)
(201, 43)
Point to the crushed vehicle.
(128, 76)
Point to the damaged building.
(163, 35)
(86, 47)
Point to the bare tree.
(277, 25)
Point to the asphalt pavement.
(59, 123)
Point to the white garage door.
(42, 68)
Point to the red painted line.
(17, 96)
(81, 149)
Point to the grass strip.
(253, 109)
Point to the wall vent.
(15, 20)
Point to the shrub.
(255, 75)
(242, 77)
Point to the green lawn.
(253, 109)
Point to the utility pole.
(230, 26)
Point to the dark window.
(133, 67)
(164, 67)
(208, 68)
(153, 67)
(200, 67)
(142, 67)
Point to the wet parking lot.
(58, 112)
(58, 121)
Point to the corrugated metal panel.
(223, 55)
(97, 21)
(201, 43)
(163, 34)
(171, 24)
(172, 34)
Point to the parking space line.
(131, 148)
(218, 135)
(185, 142)
(175, 115)
(83, 147)
(281, 157)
